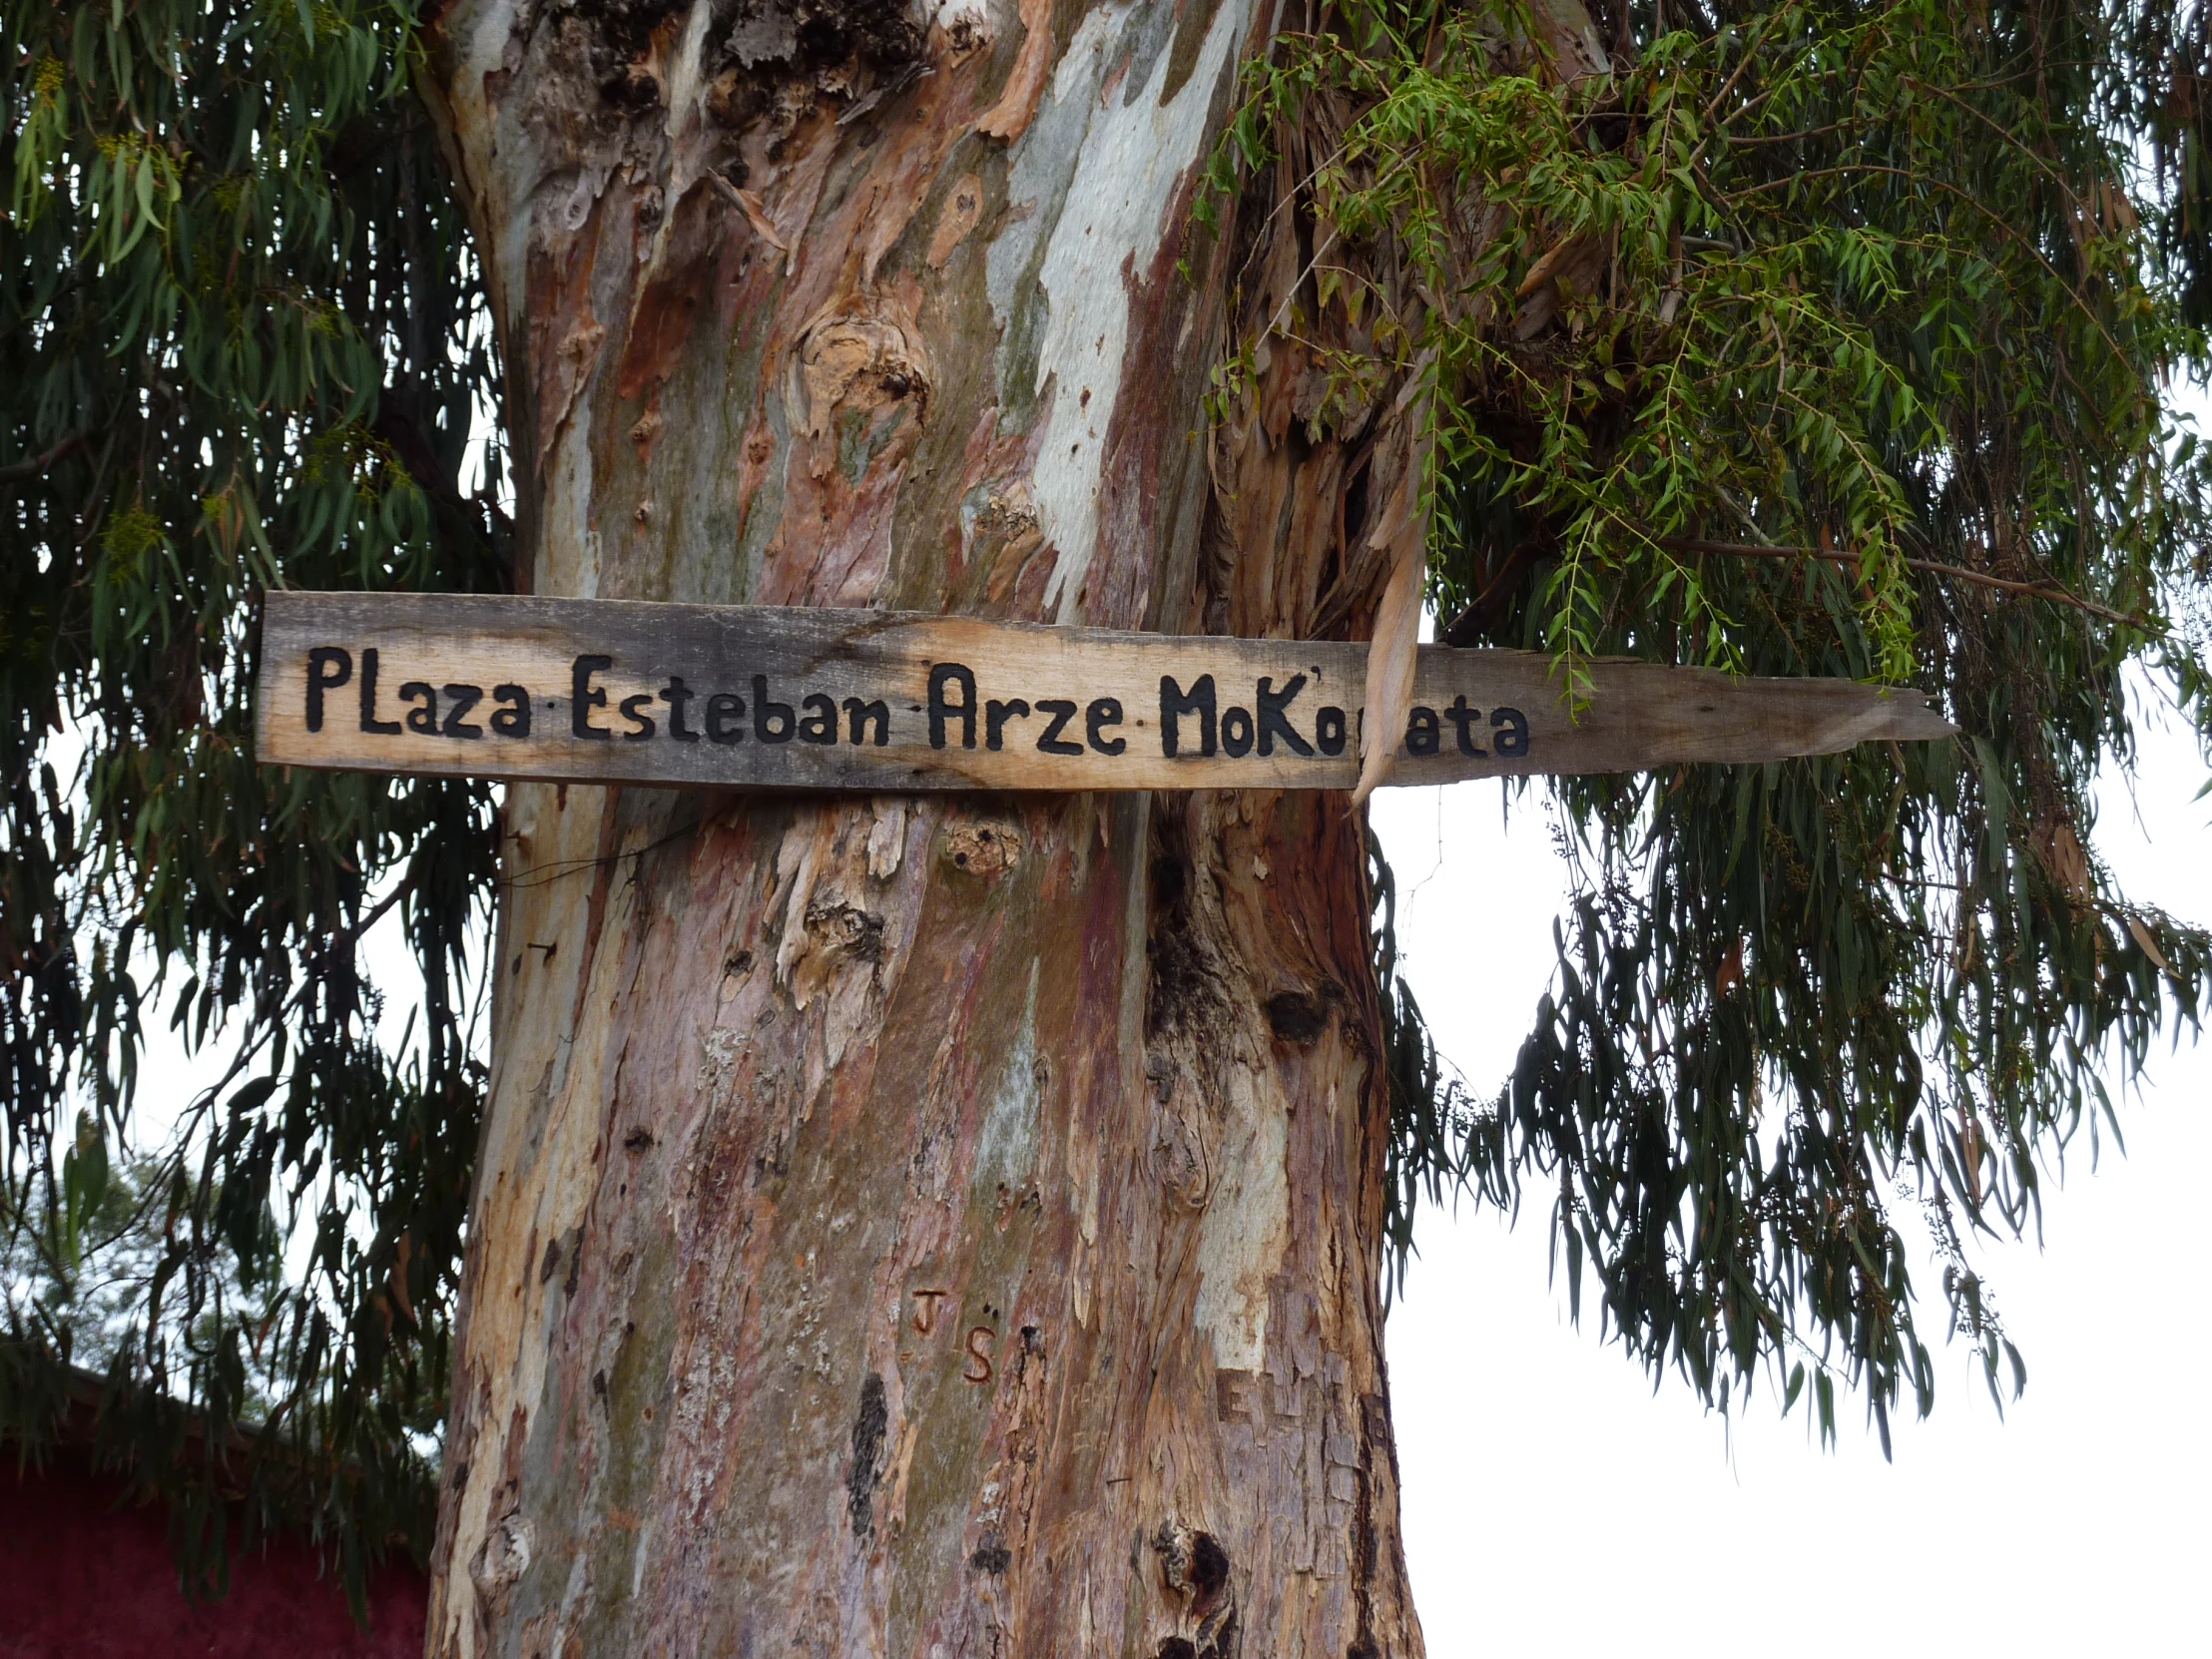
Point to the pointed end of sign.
(1856, 712)
(1909, 717)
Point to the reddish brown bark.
(903, 1226)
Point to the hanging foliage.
(1798, 339)
(241, 344)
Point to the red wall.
(80, 1579)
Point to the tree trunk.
(914, 1226)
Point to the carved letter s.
(977, 1356)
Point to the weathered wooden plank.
(609, 690)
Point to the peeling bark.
(909, 1226)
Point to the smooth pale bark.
(916, 1226)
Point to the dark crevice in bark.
(1301, 1016)
(1356, 501)
(868, 1455)
(1194, 1568)
(754, 49)
(1375, 1446)
(1188, 989)
(1208, 1572)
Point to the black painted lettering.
(1328, 730)
(512, 718)
(1104, 711)
(771, 722)
(369, 721)
(1275, 720)
(996, 715)
(1423, 736)
(1511, 728)
(1236, 730)
(423, 717)
(585, 697)
(641, 723)
(327, 669)
(820, 724)
(678, 697)
(1462, 720)
(724, 710)
(860, 714)
(1062, 709)
(461, 699)
(940, 676)
(1175, 701)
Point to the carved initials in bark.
(978, 1368)
(925, 1310)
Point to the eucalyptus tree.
(914, 1225)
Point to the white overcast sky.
(1556, 1504)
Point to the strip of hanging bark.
(1404, 534)
(1569, 267)
(613, 691)
(1565, 249)
(754, 210)
(1009, 118)
(1980, 579)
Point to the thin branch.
(1997, 222)
(352, 934)
(1745, 141)
(1751, 49)
(2005, 136)
(1835, 556)
(37, 466)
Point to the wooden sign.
(618, 692)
